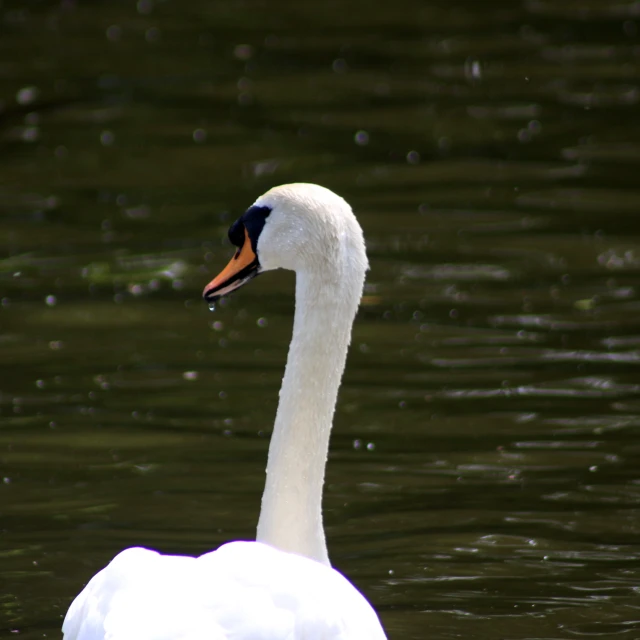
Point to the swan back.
(241, 591)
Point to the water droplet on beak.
(212, 306)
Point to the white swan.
(282, 585)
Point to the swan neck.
(291, 514)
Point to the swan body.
(282, 585)
(242, 590)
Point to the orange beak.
(243, 266)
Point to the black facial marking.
(253, 220)
(236, 233)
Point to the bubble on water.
(340, 66)
(144, 6)
(534, 126)
(107, 138)
(524, 135)
(413, 157)
(212, 306)
(243, 51)
(27, 95)
(199, 135)
(30, 134)
(361, 138)
(472, 69)
(152, 34)
(114, 32)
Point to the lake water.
(484, 473)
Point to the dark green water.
(484, 472)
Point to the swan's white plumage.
(284, 589)
(241, 590)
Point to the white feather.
(242, 590)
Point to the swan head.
(302, 227)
